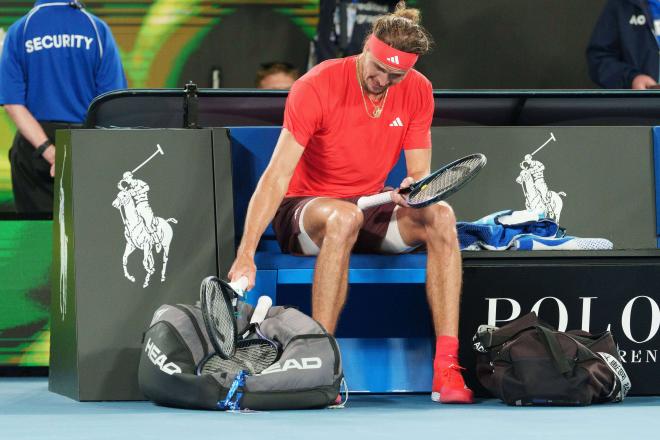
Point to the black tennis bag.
(308, 374)
(527, 362)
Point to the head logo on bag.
(292, 364)
(160, 360)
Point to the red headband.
(390, 56)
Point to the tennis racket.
(434, 187)
(252, 356)
(258, 315)
(218, 301)
(254, 352)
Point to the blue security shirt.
(56, 60)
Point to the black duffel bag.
(527, 362)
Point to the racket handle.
(239, 285)
(375, 200)
(260, 311)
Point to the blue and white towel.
(528, 243)
(521, 230)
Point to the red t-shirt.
(347, 153)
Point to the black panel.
(163, 108)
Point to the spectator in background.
(624, 46)
(344, 25)
(277, 75)
(55, 60)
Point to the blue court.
(29, 411)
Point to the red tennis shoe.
(449, 386)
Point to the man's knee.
(344, 223)
(441, 221)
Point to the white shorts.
(392, 243)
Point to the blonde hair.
(402, 31)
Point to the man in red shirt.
(345, 124)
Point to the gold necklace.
(378, 110)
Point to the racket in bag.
(527, 362)
(179, 368)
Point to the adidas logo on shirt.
(396, 123)
(394, 59)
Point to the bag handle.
(549, 339)
(499, 336)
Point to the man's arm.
(32, 131)
(418, 162)
(418, 165)
(267, 197)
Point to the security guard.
(55, 60)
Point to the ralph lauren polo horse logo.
(142, 230)
(535, 189)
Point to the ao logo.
(478, 346)
(637, 20)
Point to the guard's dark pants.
(30, 174)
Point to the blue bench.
(383, 354)
(251, 149)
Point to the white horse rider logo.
(142, 230)
(537, 195)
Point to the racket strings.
(445, 180)
(222, 318)
(253, 356)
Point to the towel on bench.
(521, 230)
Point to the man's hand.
(49, 156)
(398, 198)
(643, 82)
(243, 267)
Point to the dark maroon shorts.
(287, 229)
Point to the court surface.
(29, 411)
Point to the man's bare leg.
(436, 226)
(333, 225)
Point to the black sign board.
(134, 228)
